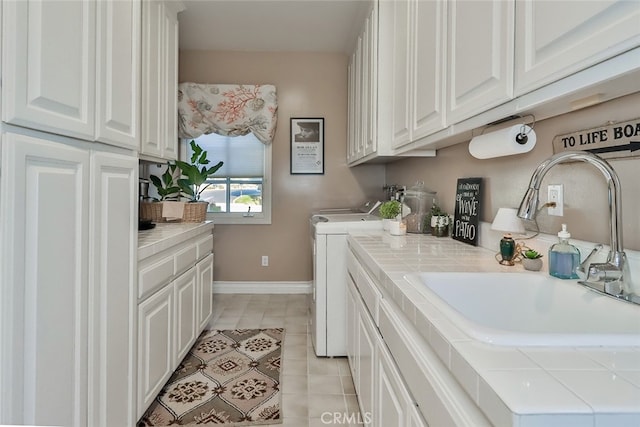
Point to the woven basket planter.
(195, 212)
(152, 211)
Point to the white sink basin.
(525, 309)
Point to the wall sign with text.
(611, 141)
(467, 210)
(307, 146)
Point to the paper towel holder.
(522, 134)
(522, 139)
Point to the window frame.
(239, 218)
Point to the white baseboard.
(262, 287)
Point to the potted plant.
(531, 260)
(439, 221)
(194, 182)
(166, 184)
(389, 210)
(167, 189)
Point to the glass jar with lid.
(419, 199)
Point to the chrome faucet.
(611, 277)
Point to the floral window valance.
(230, 110)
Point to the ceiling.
(271, 25)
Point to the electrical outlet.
(265, 260)
(555, 194)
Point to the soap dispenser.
(564, 258)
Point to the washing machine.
(327, 304)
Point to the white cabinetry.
(65, 282)
(118, 73)
(113, 299)
(174, 307)
(480, 56)
(556, 39)
(383, 398)
(418, 69)
(160, 85)
(363, 83)
(155, 345)
(399, 379)
(53, 79)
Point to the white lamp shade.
(507, 220)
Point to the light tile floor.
(316, 391)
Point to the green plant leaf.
(156, 181)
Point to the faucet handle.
(583, 268)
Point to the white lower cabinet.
(65, 281)
(185, 315)
(174, 307)
(383, 398)
(205, 295)
(155, 345)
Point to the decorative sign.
(612, 141)
(307, 146)
(468, 203)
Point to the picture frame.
(307, 146)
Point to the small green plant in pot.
(389, 211)
(196, 173)
(531, 259)
(439, 221)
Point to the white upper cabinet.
(363, 83)
(556, 39)
(118, 73)
(49, 66)
(160, 83)
(55, 82)
(480, 56)
(418, 71)
(400, 79)
(428, 51)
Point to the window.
(240, 191)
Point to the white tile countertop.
(513, 386)
(166, 235)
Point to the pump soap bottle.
(564, 258)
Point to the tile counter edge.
(166, 235)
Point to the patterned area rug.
(229, 378)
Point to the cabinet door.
(428, 51)
(352, 102)
(366, 362)
(556, 39)
(390, 405)
(400, 74)
(205, 296)
(170, 84)
(43, 276)
(160, 79)
(49, 66)
(185, 314)
(155, 345)
(113, 295)
(480, 56)
(153, 77)
(352, 333)
(370, 75)
(118, 73)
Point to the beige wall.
(506, 178)
(308, 85)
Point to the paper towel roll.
(503, 142)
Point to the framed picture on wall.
(307, 146)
